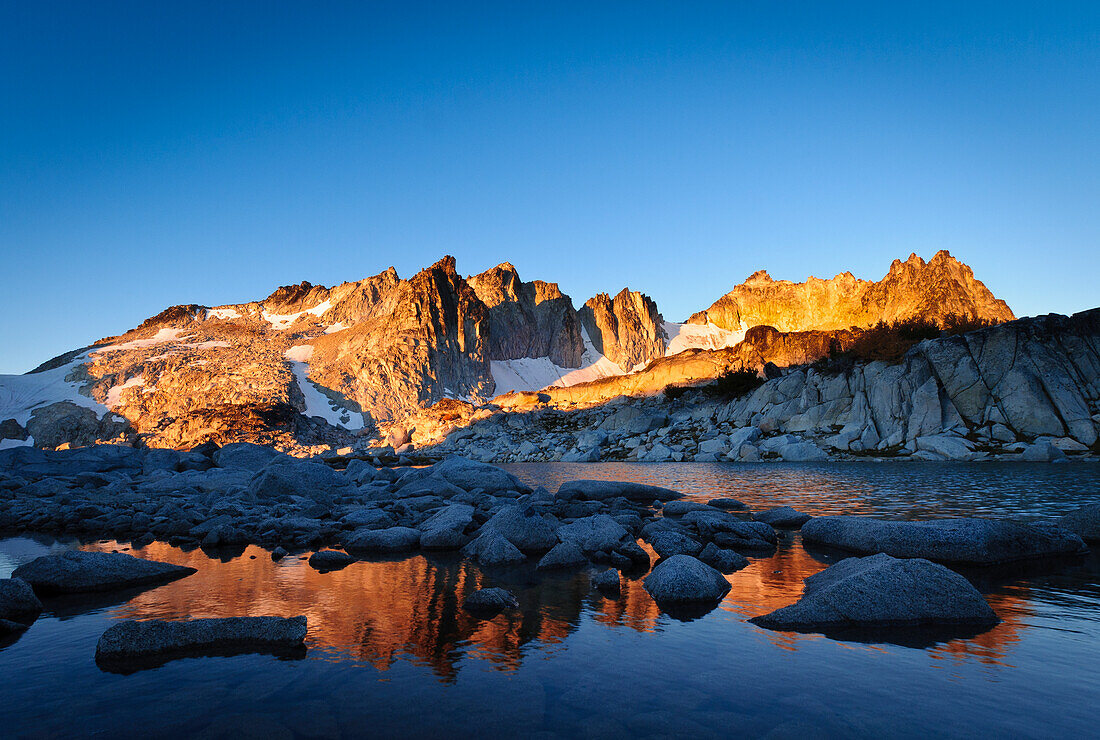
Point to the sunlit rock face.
(932, 290)
(532, 319)
(310, 368)
(626, 329)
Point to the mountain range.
(310, 366)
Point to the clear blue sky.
(162, 153)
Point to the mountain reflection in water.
(380, 612)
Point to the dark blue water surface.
(392, 654)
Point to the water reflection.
(383, 612)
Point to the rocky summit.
(502, 369)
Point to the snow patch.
(20, 395)
(7, 444)
(536, 373)
(339, 326)
(317, 403)
(225, 313)
(167, 334)
(281, 322)
(683, 337)
(114, 395)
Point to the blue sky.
(209, 152)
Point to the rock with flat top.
(600, 490)
(882, 590)
(974, 541)
(609, 582)
(134, 639)
(75, 571)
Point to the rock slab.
(134, 640)
(80, 572)
(972, 541)
(881, 590)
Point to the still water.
(392, 654)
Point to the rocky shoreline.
(222, 499)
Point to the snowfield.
(683, 337)
(281, 322)
(20, 395)
(317, 403)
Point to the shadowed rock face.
(628, 329)
(528, 319)
(933, 290)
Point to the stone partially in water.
(19, 607)
(134, 640)
(882, 590)
(608, 582)
(682, 579)
(975, 541)
(600, 490)
(724, 561)
(1085, 522)
(488, 602)
(330, 560)
(78, 572)
(392, 539)
(783, 517)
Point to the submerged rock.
(608, 582)
(882, 590)
(682, 579)
(77, 572)
(976, 541)
(135, 640)
(487, 602)
(783, 517)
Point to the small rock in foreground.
(682, 579)
(882, 590)
(488, 602)
(79, 572)
(608, 582)
(134, 640)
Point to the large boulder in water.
(469, 475)
(1085, 522)
(601, 490)
(77, 572)
(682, 579)
(882, 590)
(974, 541)
(134, 640)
